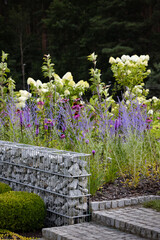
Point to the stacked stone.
(59, 177)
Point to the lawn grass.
(154, 204)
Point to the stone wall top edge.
(42, 149)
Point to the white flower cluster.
(64, 86)
(24, 95)
(130, 60)
(41, 87)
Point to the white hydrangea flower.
(127, 102)
(125, 58)
(31, 81)
(138, 91)
(66, 92)
(44, 85)
(112, 60)
(22, 99)
(25, 93)
(118, 60)
(38, 84)
(71, 83)
(150, 112)
(44, 90)
(68, 76)
(134, 58)
(140, 99)
(20, 105)
(155, 99)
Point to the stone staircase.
(117, 219)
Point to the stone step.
(136, 220)
(86, 231)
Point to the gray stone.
(75, 170)
(75, 193)
(95, 206)
(114, 204)
(108, 204)
(73, 184)
(127, 202)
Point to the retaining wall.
(59, 177)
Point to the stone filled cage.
(60, 178)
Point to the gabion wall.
(59, 177)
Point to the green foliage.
(4, 188)
(154, 204)
(6, 234)
(47, 67)
(21, 211)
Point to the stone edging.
(124, 202)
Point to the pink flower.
(158, 118)
(148, 120)
(76, 116)
(28, 125)
(41, 103)
(62, 136)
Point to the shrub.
(21, 211)
(4, 188)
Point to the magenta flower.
(41, 103)
(62, 136)
(76, 116)
(28, 126)
(93, 152)
(158, 118)
(49, 122)
(148, 120)
(64, 100)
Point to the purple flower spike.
(45, 127)
(87, 141)
(117, 124)
(37, 130)
(21, 119)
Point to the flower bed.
(121, 136)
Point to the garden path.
(130, 223)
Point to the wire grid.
(60, 178)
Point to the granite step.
(137, 220)
(116, 219)
(86, 231)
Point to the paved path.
(137, 220)
(87, 231)
(120, 221)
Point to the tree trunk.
(22, 63)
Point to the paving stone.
(88, 231)
(137, 220)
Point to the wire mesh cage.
(60, 178)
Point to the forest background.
(70, 30)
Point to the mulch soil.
(117, 190)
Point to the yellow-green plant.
(129, 70)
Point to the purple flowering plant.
(116, 134)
